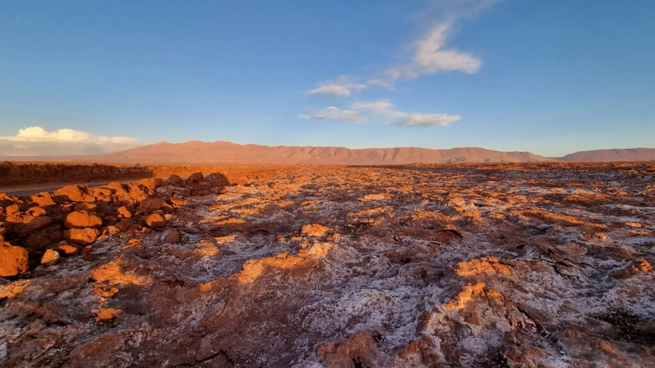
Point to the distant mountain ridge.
(196, 152)
(609, 155)
(222, 152)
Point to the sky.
(549, 77)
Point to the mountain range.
(221, 152)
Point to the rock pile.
(67, 222)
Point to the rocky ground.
(521, 265)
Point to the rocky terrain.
(504, 265)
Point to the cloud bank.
(36, 141)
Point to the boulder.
(50, 256)
(39, 223)
(14, 208)
(82, 219)
(37, 242)
(217, 179)
(43, 199)
(13, 260)
(150, 204)
(155, 220)
(83, 236)
(74, 193)
(137, 193)
(174, 180)
(195, 177)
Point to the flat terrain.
(499, 265)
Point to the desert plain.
(461, 265)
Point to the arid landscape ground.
(463, 265)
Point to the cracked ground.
(521, 265)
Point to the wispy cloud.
(430, 57)
(341, 87)
(428, 120)
(372, 105)
(36, 141)
(336, 114)
(381, 111)
(428, 54)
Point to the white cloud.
(381, 111)
(428, 120)
(336, 114)
(372, 105)
(430, 57)
(340, 87)
(36, 141)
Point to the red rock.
(137, 194)
(195, 177)
(152, 183)
(150, 204)
(170, 236)
(37, 242)
(68, 249)
(81, 219)
(174, 180)
(89, 207)
(124, 212)
(13, 260)
(155, 220)
(43, 199)
(178, 202)
(118, 189)
(83, 236)
(50, 256)
(14, 208)
(74, 193)
(39, 223)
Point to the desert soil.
(504, 265)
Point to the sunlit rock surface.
(541, 265)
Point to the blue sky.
(550, 77)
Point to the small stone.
(170, 236)
(50, 256)
(152, 183)
(155, 221)
(124, 212)
(89, 207)
(83, 236)
(68, 249)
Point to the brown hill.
(196, 152)
(612, 155)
